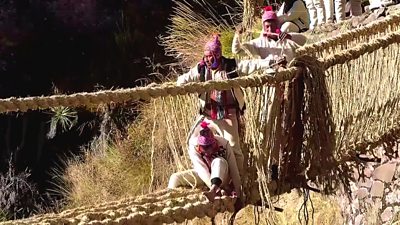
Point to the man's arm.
(298, 38)
(236, 47)
(191, 76)
(249, 66)
(200, 166)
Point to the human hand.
(273, 36)
(280, 68)
(284, 35)
(239, 29)
(210, 195)
(281, 61)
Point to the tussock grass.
(105, 176)
(110, 169)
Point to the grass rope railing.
(366, 32)
(164, 207)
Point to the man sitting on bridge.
(214, 164)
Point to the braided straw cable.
(156, 198)
(132, 94)
(361, 49)
(342, 39)
(177, 206)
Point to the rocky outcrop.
(374, 196)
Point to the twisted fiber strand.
(367, 92)
(175, 214)
(148, 213)
(367, 30)
(134, 201)
(167, 199)
(148, 209)
(131, 94)
(361, 49)
(390, 134)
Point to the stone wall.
(374, 196)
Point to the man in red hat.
(272, 44)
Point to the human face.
(269, 26)
(208, 149)
(210, 57)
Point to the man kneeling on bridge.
(214, 164)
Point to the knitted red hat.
(268, 14)
(214, 45)
(206, 135)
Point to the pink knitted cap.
(268, 14)
(214, 45)
(206, 135)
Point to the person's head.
(269, 20)
(206, 140)
(213, 52)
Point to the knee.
(289, 27)
(218, 162)
(285, 26)
(173, 181)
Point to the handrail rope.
(132, 94)
(371, 28)
(359, 50)
(148, 207)
(161, 210)
(191, 196)
(170, 211)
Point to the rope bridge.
(348, 101)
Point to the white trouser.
(329, 11)
(219, 169)
(355, 7)
(340, 13)
(316, 11)
(228, 128)
(290, 27)
(375, 4)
